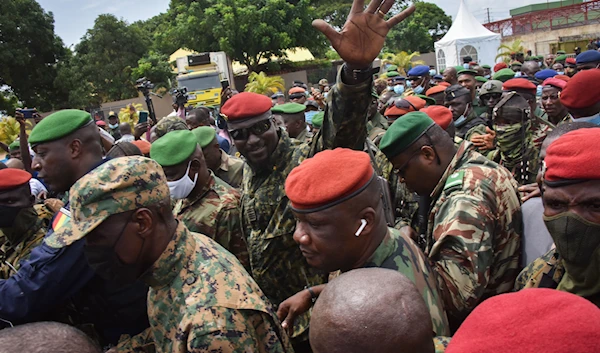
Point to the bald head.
(529, 68)
(451, 76)
(15, 163)
(125, 129)
(41, 337)
(371, 310)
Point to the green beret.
(59, 125)
(288, 108)
(561, 52)
(392, 74)
(174, 147)
(486, 67)
(317, 120)
(516, 63)
(481, 79)
(404, 132)
(467, 72)
(428, 100)
(205, 135)
(504, 75)
(561, 57)
(14, 146)
(392, 68)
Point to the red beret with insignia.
(11, 178)
(440, 114)
(435, 89)
(342, 173)
(530, 321)
(405, 105)
(246, 105)
(500, 66)
(573, 157)
(581, 91)
(519, 84)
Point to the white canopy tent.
(466, 37)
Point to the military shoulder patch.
(455, 179)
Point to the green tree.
(30, 50)
(403, 60)
(156, 68)
(263, 84)
(247, 30)
(157, 29)
(505, 50)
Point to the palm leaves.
(129, 115)
(505, 50)
(9, 130)
(403, 60)
(263, 84)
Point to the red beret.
(296, 90)
(500, 66)
(417, 102)
(246, 105)
(555, 82)
(435, 89)
(144, 146)
(519, 84)
(530, 321)
(574, 157)
(340, 173)
(580, 91)
(444, 84)
(440, 114)
(571, 61)
(563, 77)
(100, 123)
(11, 178)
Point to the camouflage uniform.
(441, 343)
(376, 128)
(401, 254)
(518, 153)
(478, 107)
(474, 231)
(277, 263)
(231, 170)
(473, 125)
(305, 136)
(544, 272)
(215, 213)
(540, 126)
(15, 248)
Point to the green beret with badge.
(481, 79)
(289, 108)
(174, 147)
(404, 132)
(205, 135)
(504, 75)
(58, 125)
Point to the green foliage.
(156, 68)
(9, 130)
(505, 50)
(30, 49)
(332, 55)
(403, 60)
(8, 102)
(157, 30)
(263, 84)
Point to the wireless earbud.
(363, 224)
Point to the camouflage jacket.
(276, 261)
(474, 125)
(522, 159)
(17, 242)
(231, 170)
(202, 300)
(305, 136)
(401, 254)
(544, 272)
(474, 231)
(215, 212)
(478, 107)
(540, 127)
(441, 343)
(376, 128)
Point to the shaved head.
(371, 310)
(41, 337)
(529, 68)
(15, 163)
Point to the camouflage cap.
(168, 124)
(116, 186)
(491, 86)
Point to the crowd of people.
(389, 211)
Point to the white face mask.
(180, 189)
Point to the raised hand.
(361, 39)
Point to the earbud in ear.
(363, 224)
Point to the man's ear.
(428, 153)
(144, 221)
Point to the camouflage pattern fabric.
(376, 128)
(168, 124)
(478, 107)
(512, 153)
(17, 242)
(547, 266)
(441, 343)
(231, 170)
(305, 136)
(399, 253)
(202, 300)
(276, 261)
(540, 126)
(474, 125)
(474, 231)
(215, 212)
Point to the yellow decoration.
(9, 130)
(129, 114)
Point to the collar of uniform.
(463, 149)
(224, 161)
(383, 251)
(173, 259)
(279, 158)
(184, 203)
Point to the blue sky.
(74, 17)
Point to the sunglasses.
(404, 104)
(257, 129)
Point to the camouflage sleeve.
(441, 343)
(142, 342)
(532, 273)
(462, 254)
(229, 231)
(475, 130)
(345, 123)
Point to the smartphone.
(27, 113)
(143, 117)
(225, 84)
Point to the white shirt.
(36, 187)
(126, 138)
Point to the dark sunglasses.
(257, 129)
(404, 104)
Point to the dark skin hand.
(24, 146)
(530, 191)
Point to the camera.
(144, 85)
(180, 96)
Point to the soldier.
(403, 106)
(297, 95)
(67, 147)
(570, 194)
(581, 101)
(467, 79)
(22, 224)
(562, 322)
(277, 264)
(437, 93)
(487, 71)
(419, 79)
(338, 324)
(341, 225)
(442, 116)
(376, 123)
(473, 235)
(294, 120)
(228, 168)
(202, 117)
(451, 75)
(570, 67)
(587, 60)
(144, 147)
(503, 75)
(556, 112)
(203, 202)
(201, 298)
(490, 94)
(166, 125)
(46, 337)
(468, 124)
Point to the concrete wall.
(162, 106)
(429, 59)
(540, 42)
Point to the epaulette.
(455, 180)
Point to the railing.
(546, 20)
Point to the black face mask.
(105, 262)
(8, 215)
